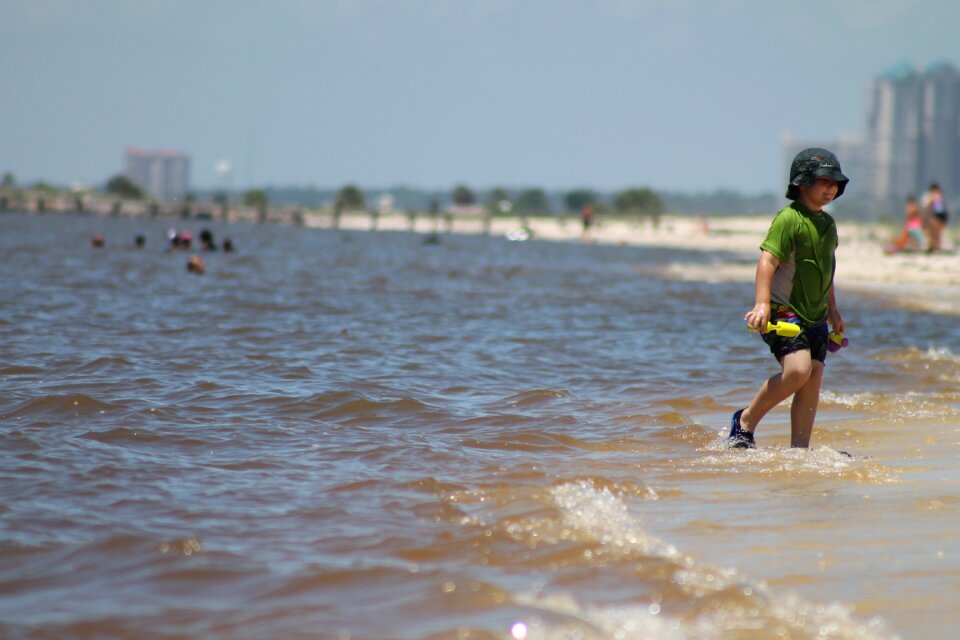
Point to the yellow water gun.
(781, 328)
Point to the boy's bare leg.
(796, 371)
(803, 410)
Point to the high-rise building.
(939, 157)
(164, 175)
(913, 132)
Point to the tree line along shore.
(471, 218)
(348, 213)
(120, 196)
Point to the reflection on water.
(333, 434)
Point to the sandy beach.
(912, 280)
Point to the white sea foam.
(894, 407)
(817, 461)
(604, 517)
(941, 354)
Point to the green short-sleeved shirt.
(805, 243)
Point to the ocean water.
(360, 435)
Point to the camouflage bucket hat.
(811, 164)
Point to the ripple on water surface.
(359, 435)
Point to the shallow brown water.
(359, 435)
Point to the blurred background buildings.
(913, 131)
(164, 175)
(911, 136)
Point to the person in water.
(794, 283)
(196, 265)
(206, 240)
(179, 239)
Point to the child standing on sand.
(911, 236)
(935, 206)
(794, 282)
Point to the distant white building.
(165, 175)
(913, 131)
(911, 136)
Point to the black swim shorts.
(812, 337)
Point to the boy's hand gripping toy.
(836, 341)
(781, 328)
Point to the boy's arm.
(833, 314)
(759, 316)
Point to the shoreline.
(913, 281)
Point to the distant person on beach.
(97, 241)
(911, 236)
(935, 206)
(227, 245)
(586, 218)
(794, 283)
(139, 241)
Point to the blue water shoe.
(738, 438)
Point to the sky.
(682, 95)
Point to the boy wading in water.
(795, 283)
